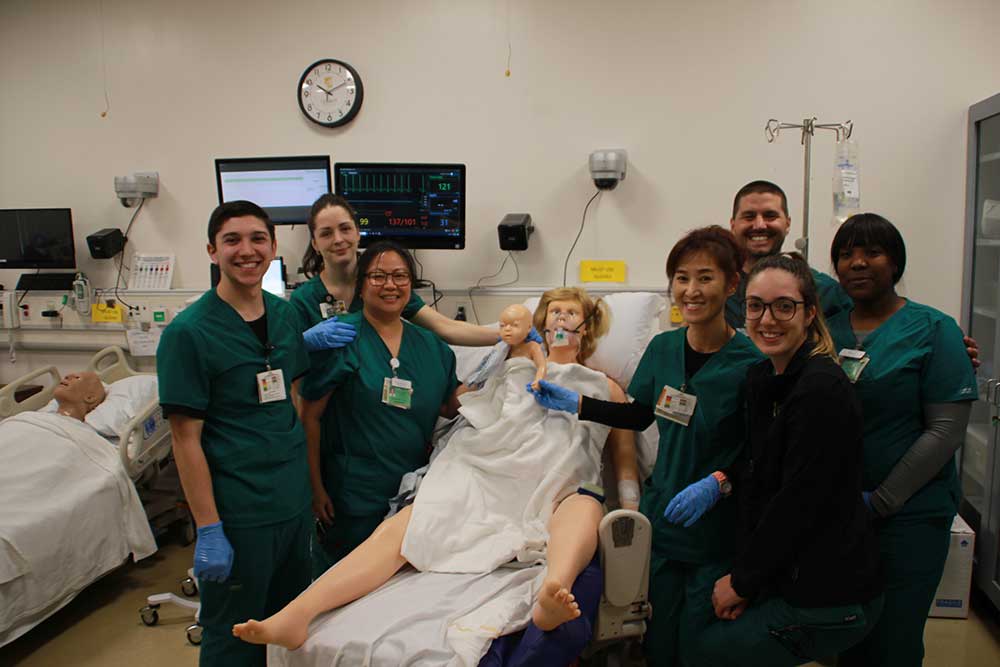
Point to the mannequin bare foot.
(555, 606)
(284, 629)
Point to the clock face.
(330, 92)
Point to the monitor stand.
(52, 282)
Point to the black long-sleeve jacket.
(806, 534)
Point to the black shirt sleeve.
(631, 416)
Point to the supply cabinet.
(980, 459)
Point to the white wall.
(685, 87)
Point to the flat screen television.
(36, 238)
(417, 205)
(285, 187)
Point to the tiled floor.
(101, 628)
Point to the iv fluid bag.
(846, 181)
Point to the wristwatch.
(725, 486)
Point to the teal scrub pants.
(773, 633)
(331, 543)
(681, 595)
(270, 568)
(913, 556)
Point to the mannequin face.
(80, 389)
(515, 323)
(566, 315)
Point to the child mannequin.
(515, 324)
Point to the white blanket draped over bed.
(68, 514)
(485, 501)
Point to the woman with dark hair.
(690, 381)
(911, 372)
(371, 405)
(331, 264)
(805, 583)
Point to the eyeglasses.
(782, 309)
(379, 278)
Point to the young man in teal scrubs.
(228, 369)
(760, 224)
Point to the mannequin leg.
(359, 573)
(572, 543)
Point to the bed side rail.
(144, 440)
(9, 404)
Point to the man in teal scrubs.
(228, 368)
(760, 224)
(367, 445)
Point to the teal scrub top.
(832, 298)
(367, 446)
(307, 297)
(686, 454)
(208, 360)
(917, 357)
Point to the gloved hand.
(213, 556)
(867, 497)
(691, 503)
(534, 336)
(329, 334)
(553, 397)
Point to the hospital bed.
(70, 511)
(413, 632)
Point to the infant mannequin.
(515, 325)
(79, 393)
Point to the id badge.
(675, 405)
(397, 392)
(853, 362)
(271, 386)
(328, 310)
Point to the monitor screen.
(418, 205)
(36, 238)
(285, 187)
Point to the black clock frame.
(359, 93)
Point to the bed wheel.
(189, 587)
(194, 634)
(149, 615)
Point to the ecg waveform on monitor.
(378, 183)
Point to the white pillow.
(125, 398)
(634, 322)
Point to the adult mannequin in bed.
(572, 528)
(228, 370)
(79, 393)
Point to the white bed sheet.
(68, 515)
(428, 619)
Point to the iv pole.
(808, 127)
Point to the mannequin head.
(515, 324)
(79, 393)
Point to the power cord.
(121, 253)
(436, 296)
(479, 283)
(583, 220)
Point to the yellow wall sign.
(100, 312)
(602, 271)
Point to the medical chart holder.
(808, 127)
(151, 272)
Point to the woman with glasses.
(331, 264)
(805, 581)
(370, 406)
(909, 367)
(690, 381)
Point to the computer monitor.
(285, 187)
(417, 205)
(37, 238)
(274, 278)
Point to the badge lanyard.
(270, 382)
(396, 391)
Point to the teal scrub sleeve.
(948, 375)
(329, 369)
(642, 387)
(299, 304)
(448, 357)
(413, 306)
(181, 373)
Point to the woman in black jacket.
(805, 583)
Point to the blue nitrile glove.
(867, 497)
(534, 336)
(553, 397)
(690, 504)
(329, 334)
(213, 556)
